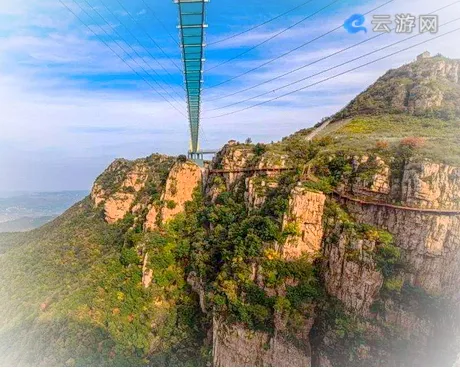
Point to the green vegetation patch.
(71, 294)
(382, 135)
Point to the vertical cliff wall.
(305, 218)
(183, 179)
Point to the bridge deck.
(192, 14)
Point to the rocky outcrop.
(372, 177)
(349, 271)
(236, 346)
(233, 157)
(257, 188)
(128, 179)
(305, 218)
(419, 183)
(431, 243)
(183, 179)
(117, 206)
(431, 185)
(234, 161)
(273, 160)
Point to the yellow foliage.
(373, 235)
(272, 254)
(230, 288)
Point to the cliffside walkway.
(251, 170)
(429, 211)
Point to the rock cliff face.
(305, 217)
(236, 346)
(417, 184)
(156, 186)
(256, 191)
(431, 185)
(431, 254)
(183, 179)
(350, 274)
(127, 179)
(430, 241)
(233, 157)
(117, 206)
(372, 177)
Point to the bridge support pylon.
(197, 157)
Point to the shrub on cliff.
(259, 149)
(413, 142)
(182, 158)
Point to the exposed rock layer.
(236, 346)
(305, 214)
(431, 244)
(349, 272)
(183, 180)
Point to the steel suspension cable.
(273, 36)
(118, 55)
(160, 22)
(313, 63)
(336, 75)
(325, 70)
(150, 37)
(259, 25)
(132, 49)
(290, 51)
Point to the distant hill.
(24, 224)
(35, 205)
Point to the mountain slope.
(71, 294)
(341, 250)
(419, 100)
(428, 87)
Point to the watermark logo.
(354, 24)
(400, 23)
(405, 23)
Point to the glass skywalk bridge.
(192, 26)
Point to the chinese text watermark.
(405, 23)
(399, 23)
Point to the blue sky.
(69, 106)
